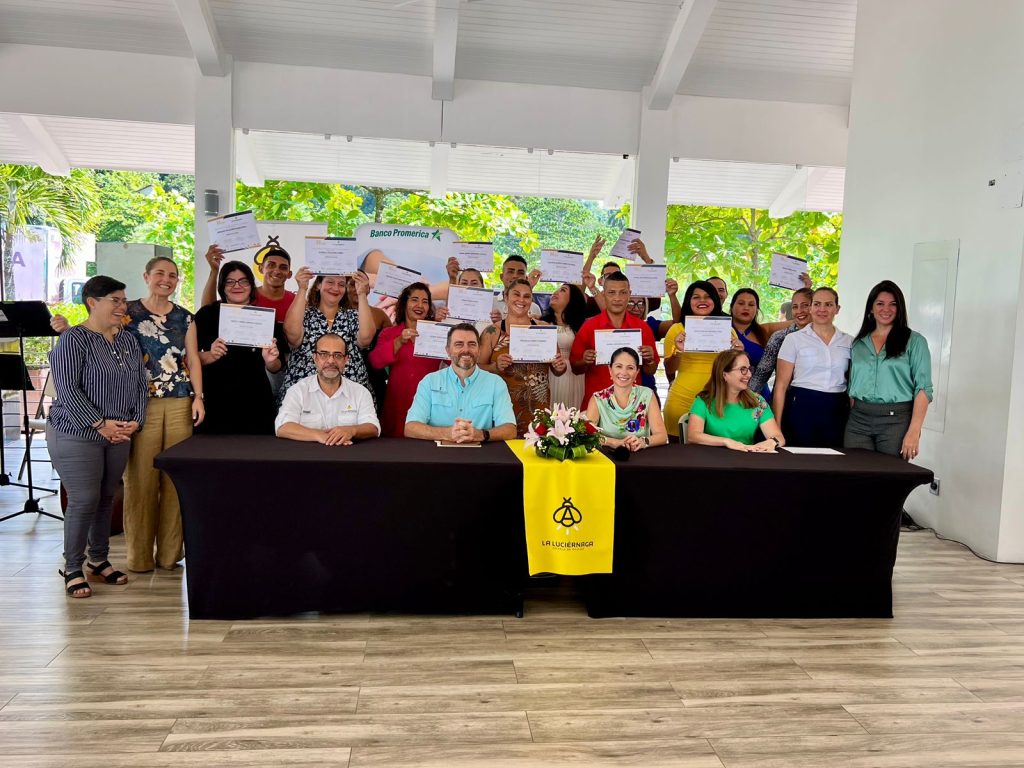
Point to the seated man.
(461, 403)
(326, 407)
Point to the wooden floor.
(124, 679)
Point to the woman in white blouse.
(810, 399)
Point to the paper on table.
(234, 231)
(244, 325)
(450, 444)
(607, 340)
(561, 267)
(786, 271)
(533, 343)
(332, 255)
(647, 280)
(707, 334)
(392, 279)
(473, 304)
(475, 255)
(621, 248)
(814, 451)
(431, 340)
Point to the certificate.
(478, 256)
(814, 451)
(244, 325)
(471, 304)
(707, 334)
(392, 279)
(561, 267)
(431, 340)
(533, 343)
(332, 255)
(786, 271)
(608, 340)
(234, 231)
(621, 248)
(647, 280)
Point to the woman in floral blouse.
(319, 310)
(627, 414)
(152, 518)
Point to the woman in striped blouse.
(101, 400)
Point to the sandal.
(114, 577)
(76, 590)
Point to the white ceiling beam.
(33, 136)
(621, 190)
(682, 43)
(793, 195)
(201, 31)
(439, 155)
(247, 165)
(446, 38)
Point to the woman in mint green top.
(890, 378)
(627, 414)
(726, 413)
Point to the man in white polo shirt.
(326, 407)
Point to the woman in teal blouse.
(726, 413)
(626, 414)
(890, 378)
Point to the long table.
(279, 527)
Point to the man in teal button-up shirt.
(461, 403)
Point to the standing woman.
(236, 387)
(890, 378)
(744, 308)
(319, 310)
(689, 371)
(171, 354)
(101, 402)
(394, 350)
(810, 400)
(567, 310)
(527, 382)
(381, 320)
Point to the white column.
(650, 184)
(215, 162)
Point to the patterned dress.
(162, 338)
(315, 325)
(617, 422)
(527, 382)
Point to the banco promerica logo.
(436, 235)
(567, 515)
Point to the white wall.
(935, 109)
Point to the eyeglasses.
(242, 282)
(117, 302)
(325, 356)
(744, 370)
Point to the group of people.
(138, 376)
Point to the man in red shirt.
(276, 266)
(583, 355)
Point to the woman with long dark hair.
(890, 378)
(567, 310)
(744, 307)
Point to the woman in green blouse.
(728, 414)
(627, 415)
(890, 378)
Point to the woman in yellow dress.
(689, 371)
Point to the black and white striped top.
(96, 379)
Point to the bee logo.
(567, 515)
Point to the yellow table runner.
(570, 512)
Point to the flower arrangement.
(561, 433)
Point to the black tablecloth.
(712, 532)
(274, 526)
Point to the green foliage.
(119, 200)
(29, 195)
(169, 219)
(737, 243)
(569, 224)
(339, 208)
(36, 349)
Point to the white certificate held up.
(533, 343)
(647, 280)
(471, 304)
(478, 256)
(707, 334)
(244, 325)
(392, 279)
(621, 248)
(786, 271)
(561, 267)
(607, 340)
(431, 339)
(332, 255)
(234, 231)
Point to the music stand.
(24, 319)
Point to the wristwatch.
(487, 435)
(777, 443)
